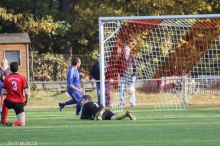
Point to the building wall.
(23, 56)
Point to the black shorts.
(107, 115)
(18, 107)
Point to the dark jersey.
(90, 109)
(4, 73)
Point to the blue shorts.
(76, 96)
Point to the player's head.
(98, 57)
(4, 63)
(14, 67)
(76, 61)
(127, 50)
(86, 98)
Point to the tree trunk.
(66, 6)
(66, 9)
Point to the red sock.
(17, 123)
(4, 114)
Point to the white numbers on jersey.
(96, 104)
(14, 84)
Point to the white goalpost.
(178, 59)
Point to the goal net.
(177, 60)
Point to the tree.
(56, 26)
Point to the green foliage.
(55, 30)
(49, 67)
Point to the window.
(13, 56)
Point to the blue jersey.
(72, 78)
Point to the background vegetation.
(71, 26)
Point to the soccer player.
(95, 75)
(128, 71)
(95, 111)
(13, 86)
(4, 71)
(73, 86)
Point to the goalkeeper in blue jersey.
(73, 86)
(95, 111)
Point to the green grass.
(50, 127)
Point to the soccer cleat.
(98, 116)
(79, 113)
(130, 115)
(61, 105)
(7, 124)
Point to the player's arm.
(74, 88)
(3, 92)
(92, 72)
(83, 115)
(70, 85)
(26, 93)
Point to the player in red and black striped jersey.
(13, 86)
(95, 111)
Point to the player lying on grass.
(95, 111)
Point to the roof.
(15, 38)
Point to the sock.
(4, 114)
(120, 116)
(71, 101)
(78, 109)
(17, 123)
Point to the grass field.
(50, 127)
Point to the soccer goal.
(178, 59)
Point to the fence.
(49, 67)
(171, 94)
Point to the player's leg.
(78, 109)
(2, 99)
(99, 114)
(6, 105)
(123, 115)
(107, 115)
(21, 119)
(132, 96)
(78, 98)
(19, 110)
(98, 92)
(4, 114)
(62, 105)
(107, 94)
(69, 102)
(130, 115)
(122, 87)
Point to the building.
(15, 47)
